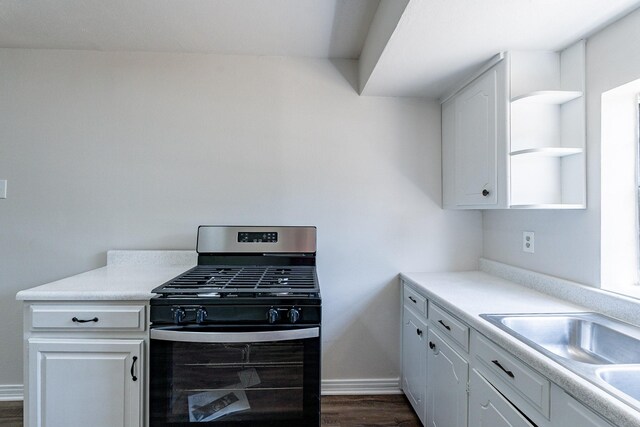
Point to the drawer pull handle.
(413, 300)
(133, 377)
(495, 362)
(419, 332)
(485, 192)
(447, 327)
(76, 320)
(431, 345)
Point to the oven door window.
(234, 376)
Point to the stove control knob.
(294, 315)
(201, 315)
(178, 315)
(273, 315)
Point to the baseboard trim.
(11, 392)
(361, 386)
(15, 392)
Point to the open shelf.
(548, 151)
(551, 97)
(550, 206)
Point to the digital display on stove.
(257, 237)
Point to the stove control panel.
(257, 237)
(234, 314)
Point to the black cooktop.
(219, 281)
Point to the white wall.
(568, 242)
(134, 151)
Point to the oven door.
(244, 376)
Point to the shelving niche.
(547, 129)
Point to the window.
(620, 189)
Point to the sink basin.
(583, 337)
(626, 379)
(600, 349)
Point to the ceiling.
(426, 46)
(307, 28)
(438, 42)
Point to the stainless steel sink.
(623, 378)
(582, 337)
(602, 350)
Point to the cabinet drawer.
(569, 412)
(488, 408)
(88, 317)
(512, 373)
(414, 300)
(450, 326)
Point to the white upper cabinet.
(514, 137)
(474, 142)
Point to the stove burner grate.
(215, 278)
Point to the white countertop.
(469, 294)
(113, 282)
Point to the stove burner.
(215, 281)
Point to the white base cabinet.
(414, 361)
(85, 364)
(79, 383)
(456, 377)
(447, 377)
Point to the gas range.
(259, 274)
(236, 339)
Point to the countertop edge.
(120, 282)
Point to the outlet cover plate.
(528, 242)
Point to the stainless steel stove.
(236, 339)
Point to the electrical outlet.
(3, 188)
(528, 242)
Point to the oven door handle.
(233, 337)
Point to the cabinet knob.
(431, 345)
(419, 332)
(485, 192)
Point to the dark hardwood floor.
(361, 411)
(11, 414)
(337, 411)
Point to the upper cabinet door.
(474, 142)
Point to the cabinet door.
(474, 138)
(488, 408)
(569, 412)
(447, 375)
(414, 361)
(475, 148)
(79, 383)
